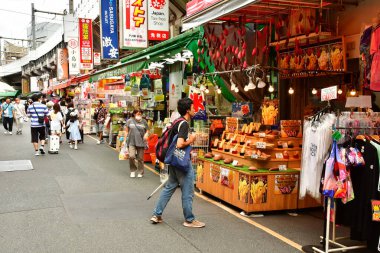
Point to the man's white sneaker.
(133, 174)
(37, 153)
(6, 132)
(139, 175)
(10, 133)
(98, 142)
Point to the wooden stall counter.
(251, 191)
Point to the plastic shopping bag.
(124, 153)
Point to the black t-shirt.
(183, 130)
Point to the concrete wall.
(354, 19)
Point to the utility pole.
(33, 29)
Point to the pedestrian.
(20, 115)
(136, 132)
(37, 112)
(56, 120)
(7, 111)
(73, 127)
(49, 105)
(70, 109)
(100, 117)
(177, 177)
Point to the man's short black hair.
(101, 102)
(36, 97)
(184, 105)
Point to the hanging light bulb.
(291, 91)
(271, 88)
(219, 91)
(314, 91)
(233, 85)
(353, 92)
(246, 88)
(340, 91)
(207, 91)
(251, 85)
(202, 88)
(236, 89)
(261, 84)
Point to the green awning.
(141, 59)
(9, 94)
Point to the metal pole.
(33, 29)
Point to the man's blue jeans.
(186, 182)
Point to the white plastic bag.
(124, 153)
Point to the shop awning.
(62, 85)
(10, 94)
(80, 79)
(141, 59)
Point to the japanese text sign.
(135, 24)
(85, 43)
(329, 93)
(158, 21)
(73, 49)
(109, 29)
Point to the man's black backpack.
(163, 143)
(96, 113)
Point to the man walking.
(37, 112)
(100, 117)
(177, 177)
(7, 111)
(20, 115)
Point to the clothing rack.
(326, 238)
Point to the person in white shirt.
(56, 120)
(20, 115)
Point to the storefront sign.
(73, 48)
(195, 6)
(85, 43)
(285, 184)
(62, 64)
(227, 178)
(135, 24)
(158, 22)
(96, 58)
(109, 29)
(259, 189)
(329, 93)
(242, 109)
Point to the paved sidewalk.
(84, 201)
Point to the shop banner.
(135, 24)
(109, 30)
(73, 48)
(199, 103)
(85, 43)
(62, 64)
(158, 21)
(96, 58)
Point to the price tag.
(284, 145)
(282, 167)
(261, 145)
(279, 156)
(255, 156)
(235, 162)
(262, 135)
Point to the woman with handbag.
(20, 115)
(136, 132)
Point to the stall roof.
(141, 59)
(9, 94)
(252, 10)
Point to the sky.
(15, 15)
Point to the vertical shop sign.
(96, 58)
(73, 48)
(158, 22)
(85, 43)
(108, 30)
(135, 24)
(62, 64)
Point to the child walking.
(73, 127)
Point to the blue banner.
(109, 29)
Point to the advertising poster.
(376, 210)
(109, 29)
(96, 59)
(285, 184)
(259, 189)
(227, 178)
(244, 188)
(135, 24)
(158, 22)
(73, 51)
(214, 172)
(200, 172)
(62, 64)
(85, 43)
(242, 109)
(291, 128)
(199, 103)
